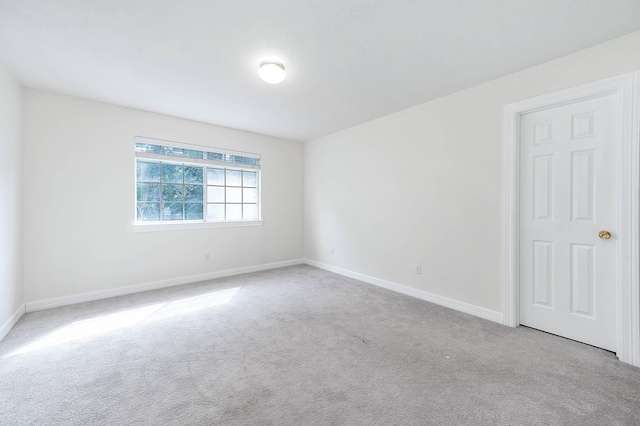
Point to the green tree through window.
(169, 191)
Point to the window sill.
(154, 227)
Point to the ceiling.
(347, 61)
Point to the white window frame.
(150, 226)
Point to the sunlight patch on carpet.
(103, 324)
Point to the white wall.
(424, 185)
(11, 292)
(79, 200)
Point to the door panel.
(582, 279)
(543, 273)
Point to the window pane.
(171, 173)
(215, 156)
(172, 193)
(249, 179)
(193, 211)
(215, 194)
(193, 193)
(234, 211)
(148, 192)
(250, 211)
(234, 195)
(145, 147)
(148, 211)
(250, 195)
(192, 153)
(215, 176)
(147, 172)
(247, 160)
(215, 211)
(193, 174)
(172, 211)
(181, 152)
(234, 178)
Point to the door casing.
(626, 88)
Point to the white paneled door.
(567, 212)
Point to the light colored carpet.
(299, 346)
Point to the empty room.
(320, 212)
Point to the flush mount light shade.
(272, 72)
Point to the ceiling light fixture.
(272, 72)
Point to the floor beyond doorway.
(298, 346)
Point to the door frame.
(626, 88)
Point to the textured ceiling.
(348, 61)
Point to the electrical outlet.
(418, 269)
(207, 257)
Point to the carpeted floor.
(299, 346)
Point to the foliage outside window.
(178, 184)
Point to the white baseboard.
(121, 291)
(467, 308)
(104, 294)
(6, 328)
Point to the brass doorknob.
(605, 235)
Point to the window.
(185, 183)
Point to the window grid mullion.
(184, 206)
(225, 193)
(241, 195)
(205, 191)
(161, 192)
